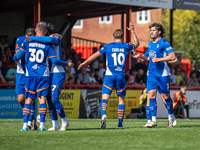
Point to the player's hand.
(70, 64)
(82, 65)
(155, 60)
(56, 34)
(135, 54)
(131, 26)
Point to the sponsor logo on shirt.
(35, 66)
(152, 53)
(169, 48)
(157, 45)
(118, 69)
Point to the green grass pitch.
(85, 134)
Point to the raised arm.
(131, 28)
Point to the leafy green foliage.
(186, 36)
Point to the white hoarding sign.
(193, 100)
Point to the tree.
(186, 32)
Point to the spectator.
(101, 69)
(178, 76)
(127, 74)
(68, 75)
(193, 80)
(97, 77)
(132, 77)
(78, 81)
(70, 81)
(70, 54)
(197, 72)
(82, 75)
(94, 63)
(90, 78)
(173, 77)
(11, 74)
(9, 57)
(2, 79)
(4, 67)
(80, 57)
(141, 65)
(141, 78)
(179, 103)
(77, 63)
(186, 79)
(74, 57)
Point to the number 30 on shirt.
(36, 56)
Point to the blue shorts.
(117, 81)
(161, 83)
(36, 86)
(20, 83)
(57, 81)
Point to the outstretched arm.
(131, 28)
(139, 57)
(19, 55)
(90, 59)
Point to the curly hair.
(159, 28)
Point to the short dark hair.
(41, 26)
(159, 28)
(30, 31)
(51, 29)
(118, 34)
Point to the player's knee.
(54, 101)
(166, 96)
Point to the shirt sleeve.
(103, 50)
(168, 48)
(17, 45)
(146, 53)
(45, 39)
(20, 53)
(131, 47)
(54, 58)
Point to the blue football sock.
(42, 112)
(153, 107)
(148, 113)
(169, 106)
(52, 110)
(104, 104)
(26, 112)
(32, 112)
(59, 107)
(121, 109)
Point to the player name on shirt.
(117, 50)
(36, 45)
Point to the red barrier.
(75, 86)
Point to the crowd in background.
(94, 73)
